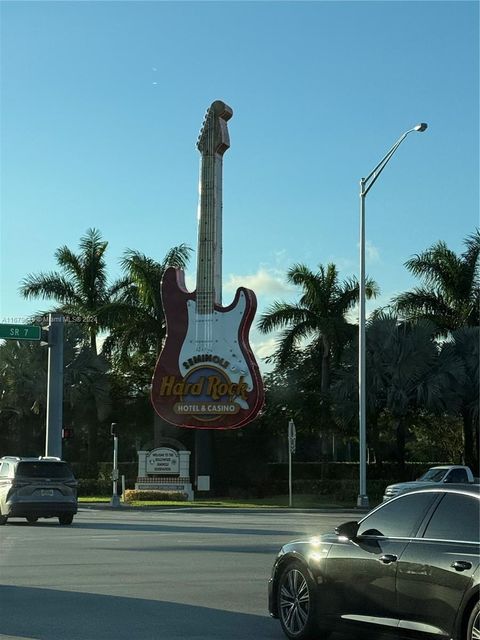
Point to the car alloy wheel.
(295, 602)
(474, 624)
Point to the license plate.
(47, 492)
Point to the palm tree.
(407, 372)
(23, 397)
(23, 384)
(87, 393)
(81, 289)
(407, 365)
(137, 336)
(465, 345)
(139, 326)
(320, 315)
(450, 296)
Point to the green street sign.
(20, 332)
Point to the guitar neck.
(213, 142)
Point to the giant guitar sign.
(206, 376)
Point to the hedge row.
(389, 472)
(343, 490)
(336, 490)
(92, 487)
(154, 495)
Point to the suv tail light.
(20, 483)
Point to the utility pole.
(53, 436)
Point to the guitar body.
(206, 376)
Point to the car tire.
(296, 603)
(473, 627)
(3, 519)
(65, 518)
(32, 519)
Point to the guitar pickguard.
(216, 335)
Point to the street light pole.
(365, 185)
(362, 500)
(292, 439)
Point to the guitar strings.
(204, 308)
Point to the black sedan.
(411, 567)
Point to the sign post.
(115, 501)
(292, 439)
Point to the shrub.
(148, 495)
(91, 487)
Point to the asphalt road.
(145, 575)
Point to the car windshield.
(44, 470)
(434, 475)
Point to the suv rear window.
(44, 470)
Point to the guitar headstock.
(214, 136)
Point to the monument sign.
(165, 469)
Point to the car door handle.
(461, 565)
(388, 558)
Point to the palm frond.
(94, 277)
(69, 262)
(49, 285)
(282, 314)
(178, 257)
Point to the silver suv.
(35, 488)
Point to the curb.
(92, 506)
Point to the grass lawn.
(299, 502)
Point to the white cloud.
(262, 349)
(190, 281)
(372, 254)
(382, 302)
(266, 282)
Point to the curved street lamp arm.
(374, 174)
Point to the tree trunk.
(325, 386)
(374, 437)
(470, 443)
(93, 340)
(92, 447)
(401, 430)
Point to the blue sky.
(102, 103)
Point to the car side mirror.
(347, 530)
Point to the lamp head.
(421, 127)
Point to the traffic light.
(67, 433)
(44, 337)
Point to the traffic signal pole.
(53, 436)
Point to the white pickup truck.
(452, 473)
